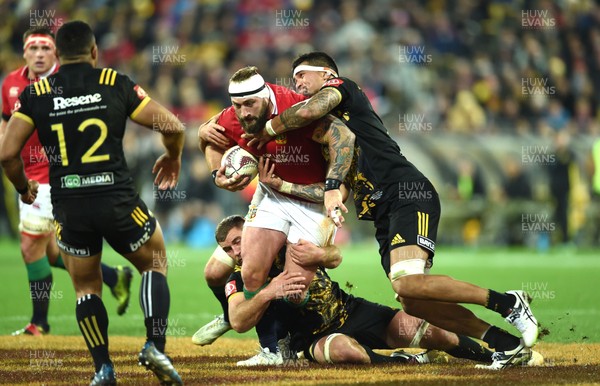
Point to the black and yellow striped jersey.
(327, 307)
(80, 114)
(386, 163)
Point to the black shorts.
(123, 220)
(410, 217)
(367, 323)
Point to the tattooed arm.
(340, 141)
(301, 114)
(311, 192)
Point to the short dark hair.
(316, 58)
(38, 31)
(74, 39)
(226, 225)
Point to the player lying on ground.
(333, 326)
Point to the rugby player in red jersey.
(280, 212)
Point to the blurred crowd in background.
(495, 101)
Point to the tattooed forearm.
(312, 192)
(341, 149)
(304, 113)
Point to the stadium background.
(479, 96)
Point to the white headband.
(306, 67)
(253, 87)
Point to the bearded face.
(252, 113)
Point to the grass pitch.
(563, 283)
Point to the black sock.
(469, 349)
(267, 330)
(155, 301)
(219, 292)
(500, 340)
(109, 275)
(378, 358)
(39, 291)
(93, 323)
(501, 303)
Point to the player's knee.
(339, 348)
(32, 249)
(407, 277)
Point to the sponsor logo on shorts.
(230, 288)
(426, 243)
(75, 181)
(136, 245)
(398, 239)
(251, 213)
(71, 250)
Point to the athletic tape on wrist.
(269, 129)
(286, 187)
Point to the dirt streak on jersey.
(80, 114)
(382, 154)
(298, 158)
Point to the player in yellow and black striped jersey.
(328, 313)
(80, 114)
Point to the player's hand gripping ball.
(238, 161)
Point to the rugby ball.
(238, 161)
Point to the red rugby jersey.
(33, 154)
(298, 159)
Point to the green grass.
(563, 283)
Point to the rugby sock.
(109, 275)
(267, 329)
(501, 303)
(378, 358)
(219, 292)
(469, 349)
(500, 340)
(93, 323)
(155, 301)
(40, 285)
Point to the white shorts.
(297, 219)
(36, 219)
